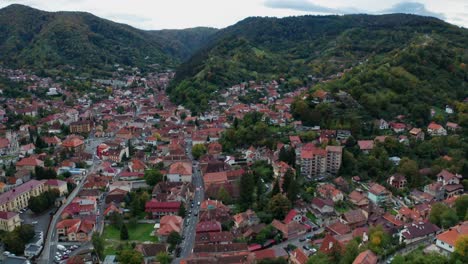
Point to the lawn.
(138, 232)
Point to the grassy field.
(137, 233)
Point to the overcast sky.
(159, 14)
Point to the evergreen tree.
(247, 186)
(124, 232)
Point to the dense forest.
(45, 40)
(319, 47)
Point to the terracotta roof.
(434, 126)
(450, 236)
(181, 168)
(30, 161)
(366, 257)
(300, 256)
(366, 144)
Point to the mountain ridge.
(41, 39)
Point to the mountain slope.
(267, 48)
(185, 42)
(38, 39)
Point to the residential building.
(74, 143)
(180, 172)
(157, 209)
(247, 218)
(397, 180)
(75, 230)
(80, 127)
(378, 194)
(9, 221)
(446, 240)
(435, 129)
(418, 232)
(169, 224)
(29, 163)
(366, 257)
(317, 162)
(298, 257)
(18, 197)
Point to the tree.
(443, 216)
(129, 256)
(409, 168)
(287, 179)
(223, 196)
(247, 186)
(379, 240)
(198, 150)
(276, 188)
(124, 232)
(461, 206)
(16, 240)
(98, 244)
(288, 155)
(351, 252)
(461, 249)
(163, 258)
(319, 258)
(182, 211)
(116, 220)
(279, 206)
(293, 191)
(153, 177)
(173, 239)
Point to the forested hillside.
(301, 48)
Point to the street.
(190, 221)
(51, 240)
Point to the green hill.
(308, 46)
(46, 40)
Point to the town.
(112, 171)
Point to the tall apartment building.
(316, 162)
(18, 197)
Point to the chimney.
(330, 245)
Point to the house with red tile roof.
(366, 257)
(298, 257)
(366, 145)
(446, 240)
(156, 209)
(247, 218)
(180, 171)
(293, 215)
(329, 191)
(330, 244)
(75, 230)
(29, 164)
(208, 226)
(291, 230)
(74, 143)
(358, 198)
(224, 237)
(136, 165)
(169, 224)
(435, 129)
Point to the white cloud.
(158, 14)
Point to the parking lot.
(40, 222)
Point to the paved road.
(51, 241)
(190, 221)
